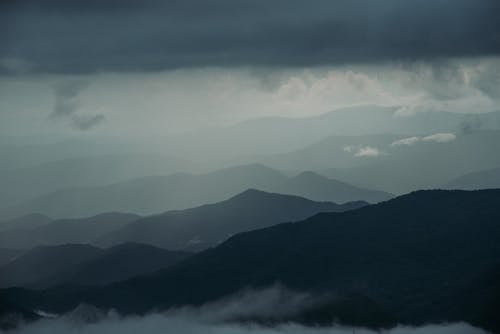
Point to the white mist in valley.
(161, 323)
(231, 315)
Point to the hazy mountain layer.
(63, 231)
(486, 179)
(27, 221)
(417, 164)
(26, 182)
(150, 195)
(210, 224)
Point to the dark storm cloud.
(88, 36)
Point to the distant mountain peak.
(249, 168)
(254, 194)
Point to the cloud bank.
(122, 36)
(232, 315)
(159, 323)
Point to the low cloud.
(437, 138)
(440, 137)
(406, 141)
(160, 323)
(85, 122)
(368, 151)
(67, 106)
(362, 151)
(232, 315)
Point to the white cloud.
(440, 137)
(218, 318)
(437, 138)
(406, 141)
(348, 149)
(368, 151)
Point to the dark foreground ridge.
(429, 256)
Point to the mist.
(231, 315)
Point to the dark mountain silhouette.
(208, 225)
(429, 256)
(84, 265)
(12, 315)
(64, 231)
(485, 179)
(151, 195)
(27, 221)
(43, 262)
(114, 264)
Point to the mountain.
(485, 179)
(27, 221)
(425, 257)
(420, 164)
(26, 182)
(332, 151)
(8, 254)
(208, 225)
(12, 316)
(235, 144)
(84, 265)
(243, 142)
(317, 187)
(151, 195)
(62, 231)
(43, 262)
(114, 264)
(125, 261)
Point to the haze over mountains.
(253, 138)
(29, 182)
(149, 195)
(330, 144)
(250, 167)
(484, 179)
(62, 231)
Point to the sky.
(159, 67)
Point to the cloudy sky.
(117, 67)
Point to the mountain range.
(207, 225)
(429, 256)
(62, 231)
(154, 194)
(27, 182)
(85, 265)
(484, 179)
(411, 163)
